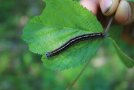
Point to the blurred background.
(22, 70)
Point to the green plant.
(21, 69)
(62, 20)
(58, 24)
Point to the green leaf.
(129, 62)
(124, 50)
(131, 0)
(60, 21)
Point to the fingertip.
(91, 5)
(123, 13)
(108, 7)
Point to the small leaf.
(121, 46)
(60, 21)
(129, 62)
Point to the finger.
(125, 12)
(108, 7)
(91, 5)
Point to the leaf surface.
(60, 21)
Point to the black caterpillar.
(73, 41)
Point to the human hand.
(122, 10)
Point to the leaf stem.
(108, 26)
(78, 76)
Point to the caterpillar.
(73, 41)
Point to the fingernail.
(105, 5)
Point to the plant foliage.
(60, 21)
